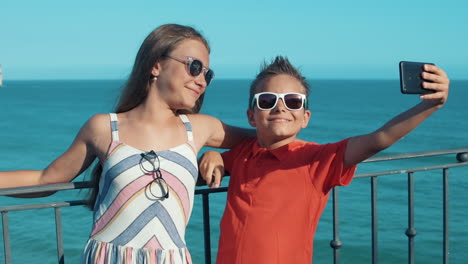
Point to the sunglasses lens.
(267, 101)
(209, 76)
(195, 68)
(150, 161)
(293, 101)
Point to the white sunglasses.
(268, 100)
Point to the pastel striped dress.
(131, 223)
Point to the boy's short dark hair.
(280, 65)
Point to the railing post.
(446, 215)
(411, 231)
(58, 230)
(375, 248)
(336, 242)
(6, 238)
(206, 227)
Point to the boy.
(279, 185)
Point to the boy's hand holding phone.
(426, 79)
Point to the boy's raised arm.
(362, 147)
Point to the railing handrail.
(417, 154)
(46, 188)
(377, 158)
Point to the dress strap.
(188, 127)
(114, 127)
(114, 133)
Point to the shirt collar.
(279, 153)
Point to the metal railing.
(336, 243)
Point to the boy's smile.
(278, 126)
(279, 120)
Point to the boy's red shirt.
(275, 200)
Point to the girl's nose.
(200, 80)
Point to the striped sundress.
(131, 223)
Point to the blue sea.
(39, 120)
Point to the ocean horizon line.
(218, 79)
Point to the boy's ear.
(305, 121)
(250, 117)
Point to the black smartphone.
(410, 77)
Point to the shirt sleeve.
(228, 159)
(327, 166)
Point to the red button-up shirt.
(275, 200)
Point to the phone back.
(410, 77)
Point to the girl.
(147, 152)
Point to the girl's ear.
(250, 117)
(156, 69)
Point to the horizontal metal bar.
(400, 171)
(409, 155)
(46, 188)
(87, 184)
(211, 190)
(419, 154)
(41, 206)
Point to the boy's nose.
(280, 106)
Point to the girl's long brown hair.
(157, 44)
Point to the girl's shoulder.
(97, 132)
(206, 129)
(96, 126)
(201, 117)
(98, 121)
(203, 120)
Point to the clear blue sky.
(59, 39)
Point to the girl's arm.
(210, 131)
(67, 166)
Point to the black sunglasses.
(268, 100)
(195, 67)
(149, 164)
